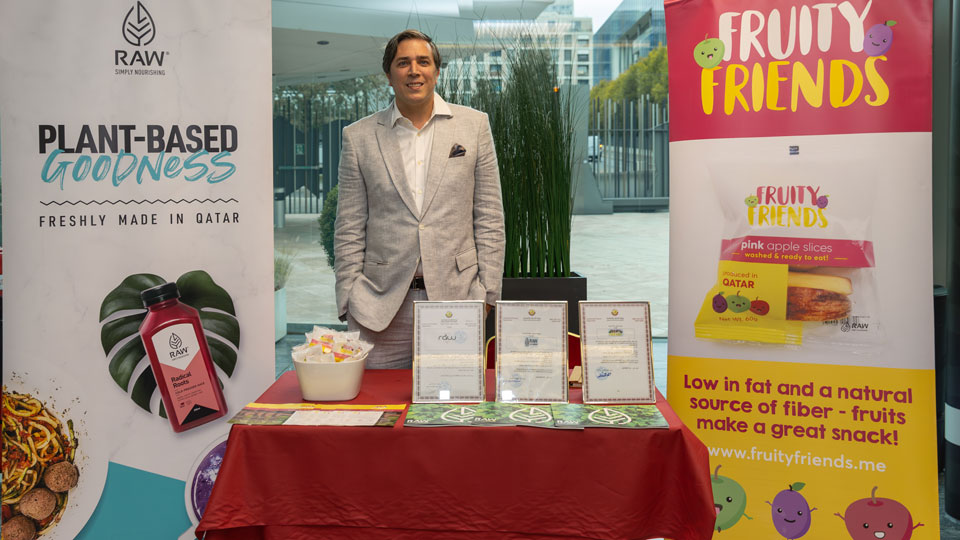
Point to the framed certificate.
(615, 352)
(532, 352)
(448, 352)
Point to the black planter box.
(572, 289)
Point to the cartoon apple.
(708, 53)
(822, 201)
(878, 518)
(729, 500)
(751, 201)
(879, 38)
(737, 303)
(791, 512)
(760, 307)
(719, 303)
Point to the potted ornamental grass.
(533, 122)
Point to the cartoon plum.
(737, 303)
(751, 201)
(719, 303)
(760, 307)
(791, 512)
(878, 518)
(708, 53)
(822, 201)
(729, 500)
(879, 38)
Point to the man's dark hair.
(390, 52)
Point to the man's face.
(413, 74)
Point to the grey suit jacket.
(380, 236)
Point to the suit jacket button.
(422, 226)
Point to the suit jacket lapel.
(443, 131)
(390, 150)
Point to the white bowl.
(338, 381)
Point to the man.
(419, 215)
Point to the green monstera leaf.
(123, 312)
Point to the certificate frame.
(558, 387)
(597, 374)
(469, 386)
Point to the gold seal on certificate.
(532, 352)
(615, 352)
(448, 352)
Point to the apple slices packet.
(796, 257)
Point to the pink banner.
(798, 251)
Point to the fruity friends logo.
(775, 59)
(787, 206)
(791, 512)
(877, 517)
(729, 500)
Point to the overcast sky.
(599, 10)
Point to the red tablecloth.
(293, 482)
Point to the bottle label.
(192, 393)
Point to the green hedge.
(328, 218)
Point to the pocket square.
(458, 151)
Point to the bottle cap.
(159, 293)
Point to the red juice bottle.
(180, 358)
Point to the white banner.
(136, 151)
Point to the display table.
(298, 482)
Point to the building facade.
(634, 29)
(568, 38)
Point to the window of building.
(583, 42)
(582, 57)
(583, 71)
(496, 54)
(583, 82)
(567, 70)
(567, 55)
(495, 70)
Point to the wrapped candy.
(328, 346)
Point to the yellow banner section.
(813, 451)
(749, 303)
(324, 407)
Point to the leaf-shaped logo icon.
(460, 415)
(533, 415)
(609, 416)
(614, 312)
(138, 27)
(532, 312)
(175, 341)
(448, 314)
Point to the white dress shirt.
(415, 146)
